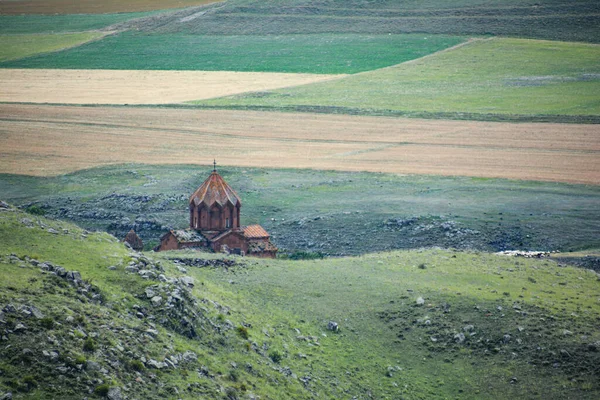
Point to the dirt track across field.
(48, 140)
(71, 86)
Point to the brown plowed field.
(16, 7)
(47, 140)
(73, 86)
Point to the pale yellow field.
(48, 140)
(137, 87)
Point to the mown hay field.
(136, 87)
(317, 54)
(497, 76)
(19, 46)
(48, 140)
(16, 7)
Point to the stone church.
(215, 224)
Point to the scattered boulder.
(420, 301)
(459, 337)
(333, 326)
(156, 301)
(187, 280)
(114, 393)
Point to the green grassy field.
(263, 324)
(23, 24)
(324, 54)
(19, 46)
(498, 76)
(549, 19)
(305, 209)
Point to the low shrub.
(243, 332)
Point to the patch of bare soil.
(137, 87)
(48, 140)
(17, 7)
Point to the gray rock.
(36, 313)
(152, 332)
(156, 301)
(60, 271)
(187, 280)
(468, 328)
(333, 326)
(112, 268)
(9, 308)
(162, 278)
(73, 276)
(6, 396)
(420, 301)
(92, 366)
(156, 364)
(20, 328)
(53, 231)
(150, 293)
(132, 269)
(114, 393)
(190, 356)
(506, 339)
(181, 269)
(69, 319)
(459, 337)
(147, 274)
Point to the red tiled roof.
(215, 190)
(255, 232)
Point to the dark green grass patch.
(22, 24)
(323, 53)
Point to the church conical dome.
(215, 190)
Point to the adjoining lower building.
(215, 224)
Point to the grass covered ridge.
(498, 76)
(322, 53)
(272, 316)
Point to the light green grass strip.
(18, 46)
(498, 76)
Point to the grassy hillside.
(329, 212)
(499, 76)
(548, 19)
(19, 46)
(18, 7)
(323, 54)
(419, 324)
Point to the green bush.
(47, 322)
(243, 332)
(135, 365)
(35, 210)
(30, 382)
(89, 345)
(102, 390)
(306, 255)
(275, 356)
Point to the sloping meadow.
(83, 316)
